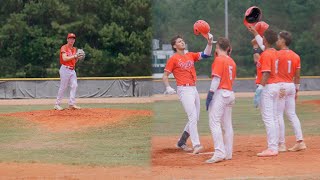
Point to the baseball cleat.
(214, 160)
(58, 107)
(197, 149)
(282, 148)
(267, 153)
(74, 107)
(184, 147)
(298, 147)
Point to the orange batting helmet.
(261, 27)
(202, 27)
(252, 16)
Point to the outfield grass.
(125, 143)
(170, 118)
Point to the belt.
(188, 84)
(69, 67)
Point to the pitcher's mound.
(71, 120)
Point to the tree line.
(115, 34)
(300, 17)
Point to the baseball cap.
(71, 35)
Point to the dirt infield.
(314, 102)
(169, 162)
(71, 120)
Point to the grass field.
(125, 143)
(170, 118)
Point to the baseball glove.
(81, 54)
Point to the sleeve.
(170, 65)
(217, 67)
(266, 63)
(63, 49)
(260, 42)
(196, 56)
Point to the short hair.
(286, 36)
(173, 42)
(224, 43)
(271, 36)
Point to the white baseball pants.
(268, 108)
(220, 120)
(288, 104)
(67, 77)
(190, 100)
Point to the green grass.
(170, 118)
(125, 143)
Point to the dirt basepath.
(169, 162)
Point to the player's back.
(227, 73)
(288, 63)
(268, 61)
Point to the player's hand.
(257, 96)
(170, 90)
(209, 99)
(80, 54)
(253, 30)
(210, 38)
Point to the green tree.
(116, 36)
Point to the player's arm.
(297, 80)
(256, 51)
(165, 79)
(214, 83)
(265, 77)
(257, 37)
(207, 51)
(65, 57)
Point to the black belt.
(69, 67)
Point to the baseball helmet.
(252, 16)
(202, 27)
(261, 27)
(71, 35)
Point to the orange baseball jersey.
(259, 73)
(225, 68)
(269, 62)
(69, 51)
(289, 62)
(182, 67)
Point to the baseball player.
(68, 58)
(267, 92)
(220, 100)
(181, 64)
(289, 77)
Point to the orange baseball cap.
(71, 35)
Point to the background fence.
(101, 87)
